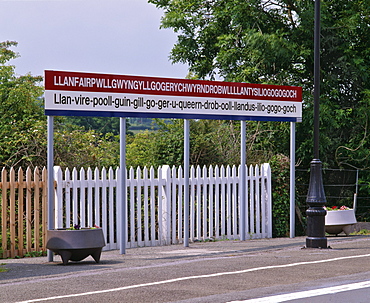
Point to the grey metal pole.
(292, 179)
(186, 180)
(355, 194)
(50, 166)
(243, 157)
(122, 208)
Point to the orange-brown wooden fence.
(23, 217)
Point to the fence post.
(21, 223)
(268, 198)
(258, 200)
(82, 198)
(166, 205)
(12, 214)
(58, 197)
(252, 200)
(44, 176)
(131, 202)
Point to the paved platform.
(217, 272)
(27, 268)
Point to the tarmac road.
(221, 271)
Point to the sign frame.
(110, 95)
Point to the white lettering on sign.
(173, 87)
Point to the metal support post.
(292, 179)
(243, 182)
(186, 180)
(122, 186)
(50, 192)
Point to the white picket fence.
(155, 208)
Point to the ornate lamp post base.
(316, 213)
(315, 242)
(316, 228)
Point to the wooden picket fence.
(155, 206)
(23, 212)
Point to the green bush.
(280, 195)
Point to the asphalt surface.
(220, 271)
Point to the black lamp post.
(316, 196)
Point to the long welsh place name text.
(151, 104)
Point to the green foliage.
(280, 195)
(139, 150)
(101, 125)
(23, 126)
(20, 111)
(272, 42)
(34, 254)
(76, 147)
(212, 143)
(280, 177)
(168, 145)
(362, 232)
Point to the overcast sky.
(100, 36)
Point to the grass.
(361, 232)
(32, 254)
(3, 269)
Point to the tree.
(77, 147)
(20, 111)
(271, 42)
(23, 126)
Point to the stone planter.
(337, 221)
(76, 245)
